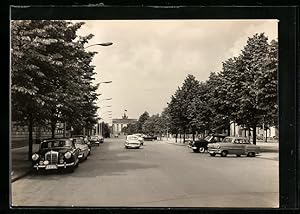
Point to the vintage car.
(55, 154)
(140, 137)
(233, 145)
(96, 140)
(86, 140)
(84, 150)
(132, 141)
(200, 145)
(150, 137)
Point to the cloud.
(151, 58)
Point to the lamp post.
(100, 44)
(105, 99)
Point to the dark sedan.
(201, 144)
(55, 154)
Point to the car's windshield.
(227, 140)
(94, 137)
(55, 144)
(208, 138)
(132, 138)
(78, 140)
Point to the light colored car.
(140, 137)
(132, 141)
(84, 149)
(233, 145)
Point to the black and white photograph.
(144, 113)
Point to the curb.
(177, 144)
(22, 175)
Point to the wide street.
(159, 174)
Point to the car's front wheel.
(201, 149)
(251, 154)
(224, 153)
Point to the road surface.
(159, 174)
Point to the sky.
(150, 59)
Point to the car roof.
(220, 135)
(237, 137)
(52, 139)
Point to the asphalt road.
(157, 175)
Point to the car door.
(237, 147)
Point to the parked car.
(140, 137)
(132, 141)
(84, 150)
(233, 145)
(96, 139)
(54, 154)
(85, 139)
(150, 137)
(201, 144)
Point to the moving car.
(201, 144)
(54, 154)
(132, 141)
(84, 150)
(233, 145)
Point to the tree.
(49, 70)
(153, 125)
(179, 107)
(145, 116)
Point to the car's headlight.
(68, 155)
(35, 157)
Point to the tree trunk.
(53, 125)
(254, 134)
(184, 136)
(266, 135)
(228, 129)
(176, 135)
(30, 140)
(193, 136)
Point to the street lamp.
(105, 113)
(100, 44)
(105, 99)
(105, 82)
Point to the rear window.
(227, 140)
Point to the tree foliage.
(51, 75)
(244, 92)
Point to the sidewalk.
(20, 165)
(264, 146)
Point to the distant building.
(119, 124)
(236, 130)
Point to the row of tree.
(51, 76)
(243, 92)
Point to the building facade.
(119, 124)
(236, 130)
